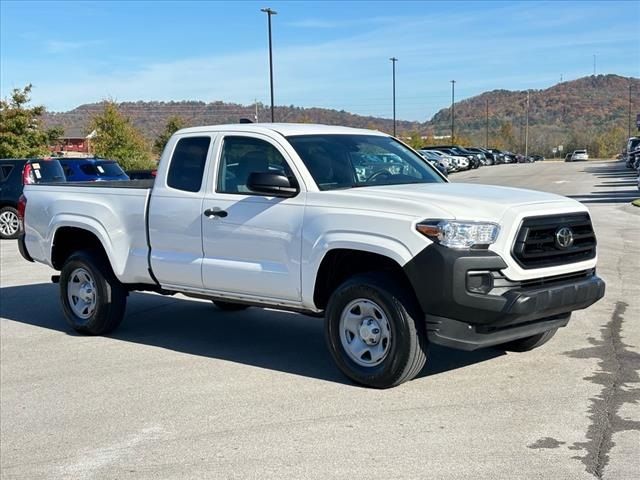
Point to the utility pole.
(526, 129)
(255, 101)
(486, 138)
(393, 62)
(453, 112)
(270, 12)
(560, 78)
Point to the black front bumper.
(460, 318)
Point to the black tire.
(229, 306)
(9, 219)
(110, 294)
(407, 352)
(529, 343)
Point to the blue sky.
(326, 54)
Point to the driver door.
(252, 242)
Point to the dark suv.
(14, 174)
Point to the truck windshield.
(348, 161)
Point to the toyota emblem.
(564, 237)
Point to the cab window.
(187, 163)
(242, 156)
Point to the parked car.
(579, 155)
(14, 174)
(462, 162)
(537, 158)
(632, 144)
(92, 169)
(453, 163)
(436, 161)
(474, 158)
(482, 154)
(395, 257)
(498, 156)
(510, 157)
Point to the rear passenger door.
(175, 226)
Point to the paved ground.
(185, 391)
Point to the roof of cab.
(284, 129)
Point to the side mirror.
(273, 184)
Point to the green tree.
(608, 143)
(21, 132)
(415, 140)
(118, 139)
(174, 124)
(506, 138)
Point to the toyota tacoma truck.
(346, 223)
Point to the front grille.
(536, 245)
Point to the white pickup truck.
(348, 223)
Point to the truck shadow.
(270, 339)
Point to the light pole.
(486, 138)
(270, 12)
(629, 121)
(453, 112)
(393, 62)
(594, 65)
(526, 130)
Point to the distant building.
(74, 142)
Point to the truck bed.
(114, 211)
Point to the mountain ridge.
(586, 105)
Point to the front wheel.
(529, 343)
(375, 332)
(93, 300)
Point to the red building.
(74, 142)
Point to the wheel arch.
(339, 264)
(68, 239)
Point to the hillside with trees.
(571, 113)
(590, 112)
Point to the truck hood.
(464, 201)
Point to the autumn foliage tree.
(118, 139)
(21, 131)
(174, 123)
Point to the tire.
(529, 343)
(377, 301)
(105, 298)
(229, 307)
(9, 224)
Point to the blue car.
(92, 170)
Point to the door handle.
(215, 212)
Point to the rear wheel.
(93, 300)
(229, 306)
(375, 332)
(9, 224)
(529, 343)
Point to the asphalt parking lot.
(183, 390)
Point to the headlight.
(459, 234)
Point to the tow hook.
(55, 278)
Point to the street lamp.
(453, 112)
(270, 12)
(393, 62)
